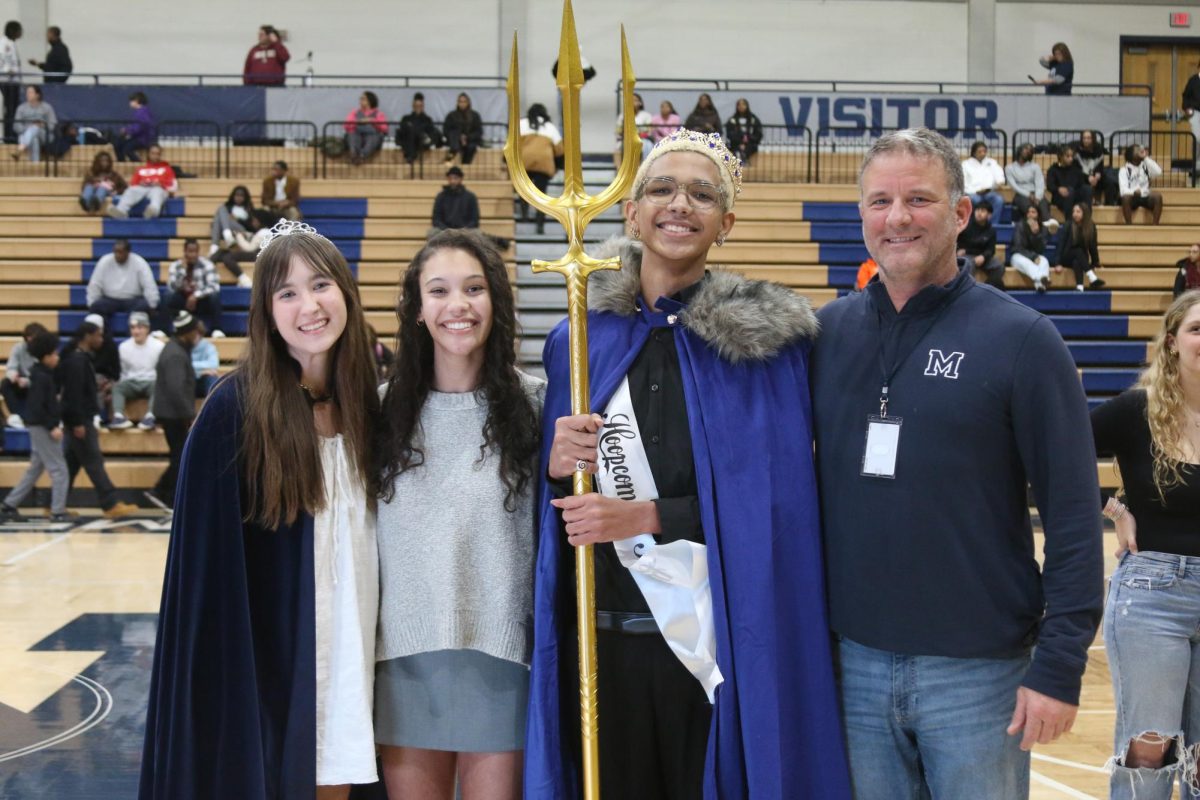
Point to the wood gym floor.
(78, 606)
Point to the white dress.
(346, 569)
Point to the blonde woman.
(1150, 619)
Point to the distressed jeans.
(931, 727)
(1152, 635)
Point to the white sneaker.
(116, 212)
(120, 422)
(14, 421)
(212, 250)
(147, 423)
(96, 423)
(217, 334)
(244, 281)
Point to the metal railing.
(252, 146)
(785, 155)
(880, 87)
(298, 79)
(1174, 151)
(389, 161)
(1050, 140)
(838, 152)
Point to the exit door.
(1165, 65)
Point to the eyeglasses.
(701, 194)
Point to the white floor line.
(104, 704)
(1096, 711)
(27, 553)
(1062, 762)
(1062, 787)
(1097, 647)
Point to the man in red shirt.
(154, 180)
(266, 63)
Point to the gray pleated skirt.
(460, 700)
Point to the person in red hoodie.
(155, 180)
(266, 63)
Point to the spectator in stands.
(643, 121)
(57, 67)
(121, 281)
(235, 222)
(1028, 184)
(80, 407)
(977, 244)
(14, 387)
(1188, 277)
(1062, 70)
(194, 286)
(463, 128)
(154, 182)
(10, 76)
(983, 178)
(173, 403)
(665, 122)
(457, 207)
(1102, 179)
(704, 116)
(417, 132)
(139, 359)
(1134, 181)
(34, 125)
(1027, 252)
(743, 131)
(206, 362)
(266, 63)
(138, 134)
(44, 416)
(1077, 248)
(1066, 182)
(1191, 109)
(541, 145)
(281, 194)
(365, 128)
(100, 182)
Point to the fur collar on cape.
(741, 319)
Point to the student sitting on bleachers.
(205, 363)
(1188, 277)
(153, 181)
(1077, 248)
(14, 388)
(235, 223)
(194, 286)
(977, 244)
(1027, 252)
(1134, 179)
(44, 412)
(1028, 184)
(35, 124)
(121, 281)
(1066, 182)
(463, 129)
(417, 132)
(982, 178)
(1102, 178)
(456, 206)
(281, 194)
(365, 128)
(139, 360)
(139, 134)
(100, 182)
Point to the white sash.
(672, 577)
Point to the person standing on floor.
(10, 76)
(937, 402)
(174, 398)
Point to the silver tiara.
(286, 227)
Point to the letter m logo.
(944, 365)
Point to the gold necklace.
(313, 399)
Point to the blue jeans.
(994, 199)
(94, 191)
(921, 727)
(1151, 623)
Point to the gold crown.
(710, 145)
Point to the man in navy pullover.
(937, 401)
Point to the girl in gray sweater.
(34, 124)
(458, 448)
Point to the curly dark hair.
(511, 428)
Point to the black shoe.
(63, 517)
(10, 514)
(1040, 286)
(1096, 284)
(85, 204)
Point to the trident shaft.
(574, 210)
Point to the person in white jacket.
(1135, 179)
(10, 76)
(982, 178)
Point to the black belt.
(626, 622)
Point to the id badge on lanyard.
(882, 446)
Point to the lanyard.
(886, 372)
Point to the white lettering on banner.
(945, 366)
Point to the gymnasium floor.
(77, 624)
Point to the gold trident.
(574, 210)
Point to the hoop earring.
(720, 240)
(635, 233)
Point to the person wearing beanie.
(139, 360)
(174, 403)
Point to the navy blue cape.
(775, 729)
(233, 693)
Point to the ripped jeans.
(1152, 635)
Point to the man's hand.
(594, 518)
(56, 434)
(190, 303)
(1063, 191)
(574, 441)
(22, 381)
(1043, 718)
(79, 431)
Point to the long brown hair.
(280, 447)
(1164, 397)
(511, 428)
(1083, 233)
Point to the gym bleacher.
(806, 236)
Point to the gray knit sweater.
(455, 568)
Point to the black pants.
(14, 396)
(1021, 204)
(654, 720)
(1064, 204)
(541, 181)
(207, 308)
(11, 93)
(1076, 260)
(176, 431)
(86, 453)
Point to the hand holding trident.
(574, 210)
